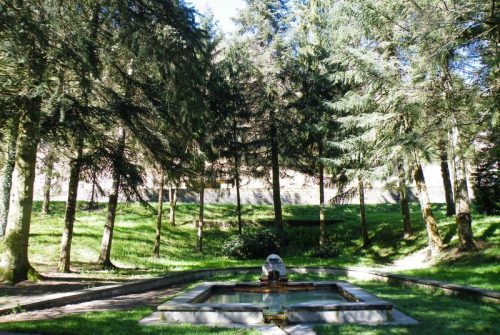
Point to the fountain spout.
(273, 270)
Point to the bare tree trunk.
(201, 216)
(238, 196)
(49, 171)
(445, 173)
(237, 174)
(404, 203)
(92, 202)
(15, 266)
(362, 211)
(107, 237)
(278, 216)
(8, 169)
(69, 219)
(434, 240)
(322, 223)
(462, 202)
(156, 250)
(173, 204)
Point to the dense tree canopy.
(346, 91)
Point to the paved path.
(27, 291)
(124, 302)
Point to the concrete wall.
(296, 189)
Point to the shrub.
(254, 245)
(330, 249)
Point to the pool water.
(275, 300)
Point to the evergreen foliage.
(344, 91)
(486, 182)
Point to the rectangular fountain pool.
(277, 300)
(292, 302)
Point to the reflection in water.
(275, 300)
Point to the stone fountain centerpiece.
(274, 299)
(273, 270)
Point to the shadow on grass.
(112, 323)
(437, 314)
(490, 231)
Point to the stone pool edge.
(361, 307)
(61, 299)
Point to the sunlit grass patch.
(135, 231)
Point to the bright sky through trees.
(223, 11)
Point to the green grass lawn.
(114, 323)
(135, 231)
(436, 313)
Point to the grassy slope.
(134, 234)
(437, 314)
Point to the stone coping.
(459, 291)
(357, 298)
(182, 277)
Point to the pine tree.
(26, 33)
(373, 54)
(264, 24)
(313, 122)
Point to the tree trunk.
(92, 202)
(404, 203)
(201, 216)
(462, 202)
(49, 171)
(445, 173)
(15, 265)
(237, 174)
(434, 240)
(173, 204)
(8, 169)
(322, 223)
(362, 211)
(156, 251)
(238, 196)
(278, 216)
(69, 219)
(107, 237)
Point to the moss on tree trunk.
(434, 239)
(8, 169)
(15, 266)
(462, 201)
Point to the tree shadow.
(490, 231)
(449, 234)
